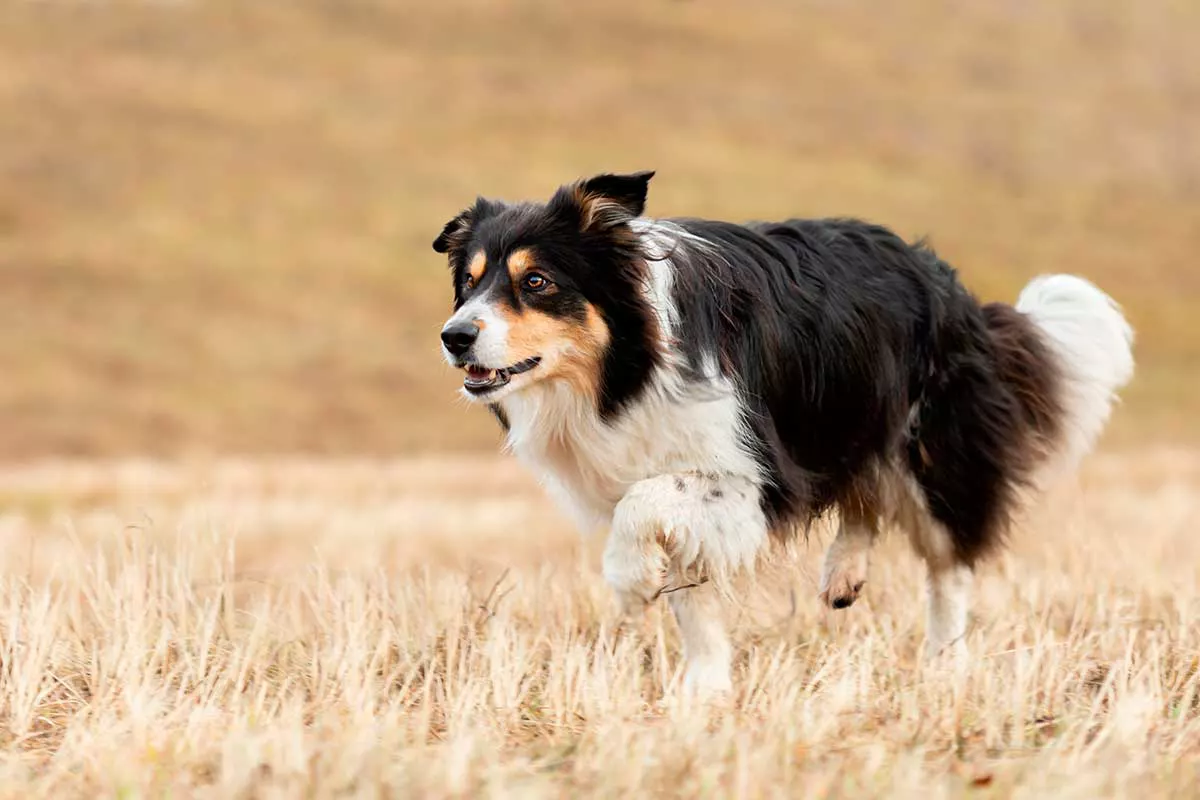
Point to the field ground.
(321, 628)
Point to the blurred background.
(215, 217)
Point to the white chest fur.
(587, 464)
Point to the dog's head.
(550, 292)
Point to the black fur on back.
(854, 350)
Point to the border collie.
(700, 387)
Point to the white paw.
(707, 681)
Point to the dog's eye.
(534, 282)
(469, 283)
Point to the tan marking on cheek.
(477, 266)
(584, 378)
(531, 333)
(582, 365)
(597, 329)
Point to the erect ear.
(605, 200)
(457, 230)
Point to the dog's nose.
(459, 337)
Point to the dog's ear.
(455, 233)
(604, 201)
(452, 233)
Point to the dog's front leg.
(707, 650)
(672, 531)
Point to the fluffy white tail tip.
(1094, 343)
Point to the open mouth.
(480, 380)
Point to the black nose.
(459, 337)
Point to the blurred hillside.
(215, 217)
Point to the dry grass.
(318, 629)
(215, 215)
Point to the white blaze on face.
(491, 347)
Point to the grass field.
(319, 629)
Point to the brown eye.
(534, 282)
(470, 282)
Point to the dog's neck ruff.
(589, 463)
(682, 421)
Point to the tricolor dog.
(698, 387)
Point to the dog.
(703, 387)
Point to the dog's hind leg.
(844, 571)
(948, 581)
(948, 604)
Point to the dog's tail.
(1066, 367)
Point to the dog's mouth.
(481, 380)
